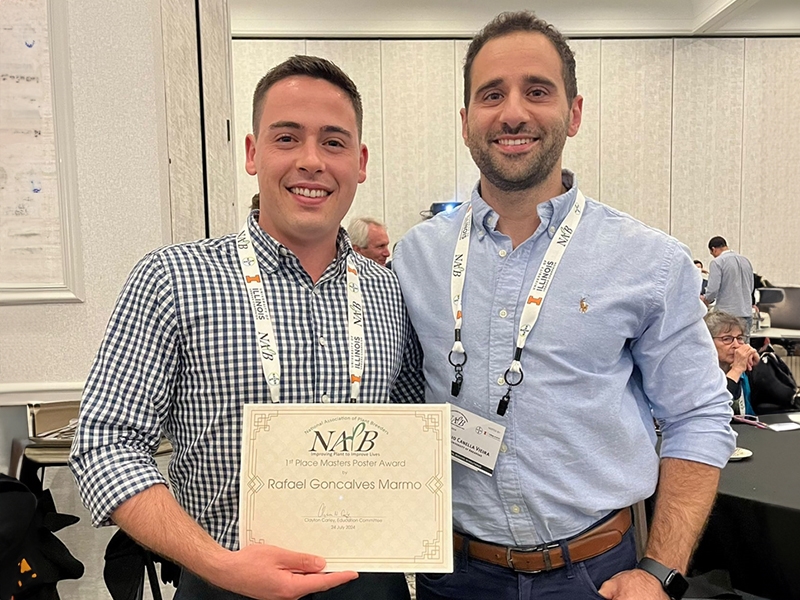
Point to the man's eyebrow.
(538, 79)
(489, 84)
(336, 129)
(286, 125)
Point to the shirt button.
(515, 509)
(322, 340)
(503, 448)
(315, 291)
(552, 230)
(501, 381)
(283, 252)
(502, 253)
(503, 313)
(325, 398)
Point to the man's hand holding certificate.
(365, 486)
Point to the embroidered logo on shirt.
(583, 305)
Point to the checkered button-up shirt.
(180, 358)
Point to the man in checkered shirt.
(180, 355)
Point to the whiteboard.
(39, 242)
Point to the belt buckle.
(543, 548)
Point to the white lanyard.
(533, 305)
(267, 343)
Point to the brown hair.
(513, 22)
(306, 66)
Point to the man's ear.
(575, 116)
(363, 157)
(250, 154)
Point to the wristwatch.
(671, 580)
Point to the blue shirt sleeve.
(673, 348)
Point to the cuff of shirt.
(109, 476)
(706, 442)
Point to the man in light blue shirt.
(730, 282)
(619, 340)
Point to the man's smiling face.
(308, 158)
(518, 117)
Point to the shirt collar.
(551, 213)
(271, 252)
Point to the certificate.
(366, 486)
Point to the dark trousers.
(477, 580)
(368, 586)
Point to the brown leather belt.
(547, 557)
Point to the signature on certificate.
(323, 512)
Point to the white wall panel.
(120, 139)
(418, 141)
(251, 61)
(361, 60)
(771, 159)
(467, 173)
(635, 122)
(582, 152)
(707, 142)
(218, 117)
(182, 81)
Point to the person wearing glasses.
(736, 357)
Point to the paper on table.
(794, 417)
(784, 426)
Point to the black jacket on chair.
(32, 558)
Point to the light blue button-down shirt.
(620, 334)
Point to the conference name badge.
(475, 441)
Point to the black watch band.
(671, 580)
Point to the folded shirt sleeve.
(126, 395)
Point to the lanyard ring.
(516, 383)
(455, 364)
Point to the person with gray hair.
(369, 238)
(736, 357)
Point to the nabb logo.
(360, 439)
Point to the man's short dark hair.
(698, 262)
(306, 66)
(717, 242)
(512, 22)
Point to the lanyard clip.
(458, 367)
(502, 406)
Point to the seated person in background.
(736, 357)
(704, 272)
